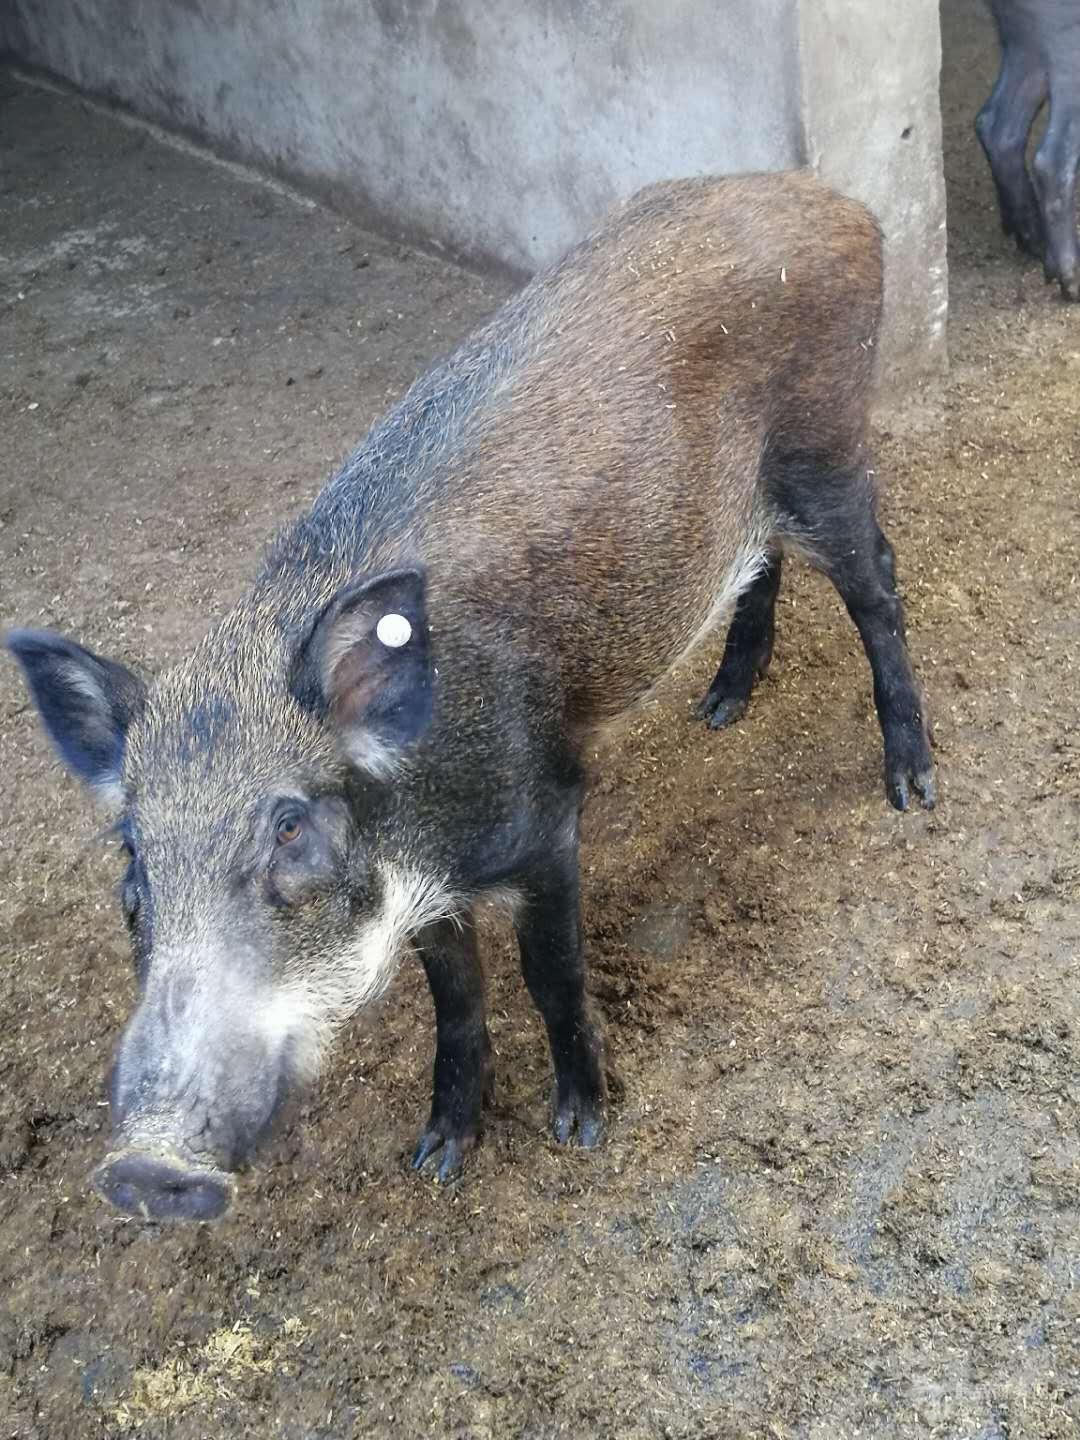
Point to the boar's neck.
(373, 513)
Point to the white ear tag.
(394, 631)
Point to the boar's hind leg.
(747, 651)
(829, 513)
(1055, 166)
(548, 925)
(1002, 127)
(463, 1069)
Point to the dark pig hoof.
(909, 768)
(721, 710)
(1068, 284)
(450, 1148)
(580, 1121)
(1028, 241)
(899, 785)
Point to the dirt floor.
(841, 1195)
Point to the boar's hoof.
(453, 1150)
(159, 1187)
(1028, 237)
(899, 784)
(1054, 273)
(908, 764)
(721, 710)
(579, 1120)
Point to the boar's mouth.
(162, 1185)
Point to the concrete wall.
(872, 127)
(502, 129)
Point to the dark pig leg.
(464, 1078)
(548, 926)
(1055, 165)
(1002, 127)
(866, 578)
(829, 512)
(747, 651)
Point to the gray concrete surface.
(872, 127)
(501, 132)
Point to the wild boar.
(390, 725)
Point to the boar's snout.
(194, 1089)
(162, 1187)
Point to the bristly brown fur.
(588, 465)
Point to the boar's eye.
(129, 885)
(289, 828)
(129, 895)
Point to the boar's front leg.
(464, 1077)
(548, 923)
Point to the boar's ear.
(86, 704)
(366, 666)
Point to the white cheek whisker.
(320, 993)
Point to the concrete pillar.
(869, 72)
(500, 130)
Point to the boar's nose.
(162, 1187)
